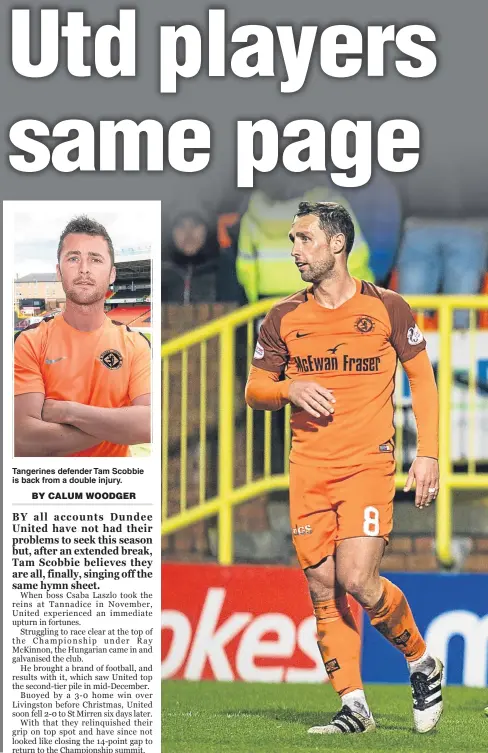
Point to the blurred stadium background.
(234, 603)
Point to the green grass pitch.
(208, 717)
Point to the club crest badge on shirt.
(112, 359)
(364, 324)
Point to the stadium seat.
(144, 320)
(130, 315)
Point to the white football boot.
(427, 697)
(346, 722)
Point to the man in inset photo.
(82, 380)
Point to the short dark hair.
(83, 225)
(333, 219)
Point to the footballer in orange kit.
(331, 351)
(82, 382)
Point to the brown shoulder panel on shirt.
(128, 329)
(33, 326)
(367, 288)
(271, 353)
(405, 337)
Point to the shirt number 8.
(371, 525)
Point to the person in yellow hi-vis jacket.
(263, 255)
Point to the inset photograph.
(82, 327)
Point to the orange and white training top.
(107, 368)
(351, 350)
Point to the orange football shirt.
(351, 350)
(108, 368)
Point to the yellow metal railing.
(216, 406)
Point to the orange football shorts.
(329, 505)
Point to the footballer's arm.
(34, 437)
(425, 468)
(425, 403)
(130, 425)
(265, 391)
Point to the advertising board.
(238, 623)
(256, 624)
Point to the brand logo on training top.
(112, 359)
(259, 352)
(414, 336)
(364, 324)
(334, 349)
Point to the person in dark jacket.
(194, 268)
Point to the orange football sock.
(393, 618)
(339, 643)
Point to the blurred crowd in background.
(234, 247)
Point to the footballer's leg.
(340, 646)
(393, 618)
(358, 558)
(314, 530)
